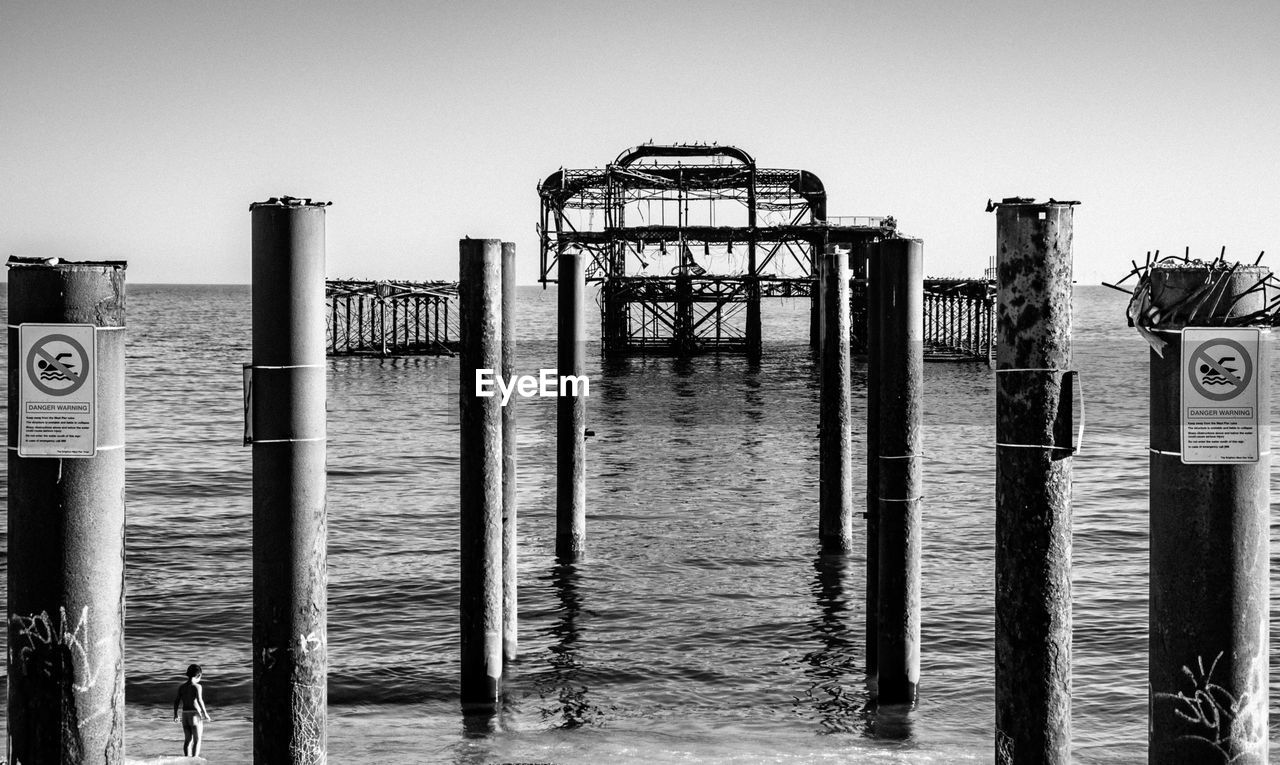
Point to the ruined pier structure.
(685, 241)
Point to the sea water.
(703, 625)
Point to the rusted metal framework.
(958, 319)
(391, 318)
(685, 240)
(958, 316)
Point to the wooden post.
(510, 548)
(66, 517)
(1033, 484)
(872, 619)
(480, 334)
(290, 575)
(900, 478)
(835, 526)
(1210, 554)
(571, 412)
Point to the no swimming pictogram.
(1221, 419)
(1220, 369)
(58, 365)
(57, 397)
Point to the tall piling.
(754, 334)
(1033, 483)
(815, 298)
(872, 617)
(510, 548)
(835, 526)
(290, 575)
(481, 474)
(1209, 606)
(571, 411)
(66, 515)
(899, 469)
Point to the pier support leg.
(684, 341)
(755, 341)
(510, 547)
(1033, 485)
(290, 575)
(481, 453)
(1210, 551)
(66, 533)
(901, 372)
(873, 459)
(835, 526)
(571, 414)
(815, 302)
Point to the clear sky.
(142, 130)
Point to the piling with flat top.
(66, 516)
(1209, 552)
(1033, 483)
(481, 457)
(510, 548)
(872, 618)
(290, 575)
(571, 412)
(899, 471)
(835, 526)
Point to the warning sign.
(56, 394)
(1220, 395)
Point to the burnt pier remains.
(685, 241)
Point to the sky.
(141, 131)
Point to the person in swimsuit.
(191, 697)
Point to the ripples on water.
(703, 627)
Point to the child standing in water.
(191, 697)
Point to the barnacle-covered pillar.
(290, 569)
(66, 511)
(835, 525)
(1210, 464)
(899, 471)
(480, 476)
(1033, 483)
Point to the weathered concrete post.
(290, 575)
(683, 334)
(1033, 484)
(510, 547)
(815, 301)
(1210, 551)
(571, 413)
(835, 526)
(755, 341)
(900, 475)
(66, 514)
(481, 479)
(872, 619)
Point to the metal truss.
(390, 318)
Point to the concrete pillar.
(66, 517)
(510, 548)
(481, 477)
(872, 620)
(835, 527)
(1033, 484)
(571, 413)
(900, 474)
(1210, 552)
(290, 575)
